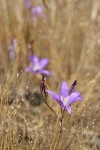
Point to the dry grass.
(70, 38)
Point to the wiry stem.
(44, 93)
(57, 137)
(50, 108)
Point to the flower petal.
(74, 94)
(69, 109)
(28, 69)
(54, 95)
(44, 62)
(64, 89)
(45, 72)
(35, 59)
(75, 99)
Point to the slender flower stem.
(50, 108)
(44, 93)
(61, 121)
(58, 135)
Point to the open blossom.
(38, 66)
(36, 11)
(66, 97)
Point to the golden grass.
(70, 38)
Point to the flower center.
(66, 100)
(36, 67)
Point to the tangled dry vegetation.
(70, 38)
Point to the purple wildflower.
(38, 65)
(66, 98)
(28, 4)
(12, 47)
(37, 11)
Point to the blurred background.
(66, 32)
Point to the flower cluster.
(37, 11)
(66, 96)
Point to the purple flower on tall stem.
(66, 97)
(12, 46)
(38, 66)
(36, 11)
